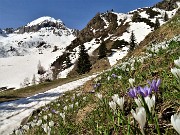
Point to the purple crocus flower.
(144, 91)
(53, 111)
(133, 92)
(114, 75)
(155, 84)
(97, 85)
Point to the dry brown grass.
(100, 65)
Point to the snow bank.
(12, 113)
(117, 55)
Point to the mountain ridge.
(46, 35)
(21, 51)
(111, 26)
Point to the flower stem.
(142, 131)
(128, 132)
(147, 110)
(157, 125)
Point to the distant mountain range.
(48, 41)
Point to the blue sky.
(74, 13)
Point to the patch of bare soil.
(83, 112)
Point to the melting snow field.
(12, 113)
(15, 69)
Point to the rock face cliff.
(45, 22)
(167, 5)
(2, 33)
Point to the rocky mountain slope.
(111, 26)
(49, 41)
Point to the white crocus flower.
(112, 104)
(51, 123)
(18, 132)
(39, 122)
(119, 77)
(76, 103)
(32, 124)
(62, 115)
(120, 102)
(108, 78)
(26, 127)
(177, 62)
(115, 97)
(84, 98)
(138, 102)
(150, 102)
(131, 81)
(71, 106)
(132, 68)
(34, 120)
(132, 64)
(45, 117)
(50, 115)
(65, 108)
(99, 95)
(78, 94)
(176, 72)
(140, 116)
(141, 60)
(175, 121)
(46, 129)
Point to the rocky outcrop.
(167, 5)
(9, 30)
(95, 29)
(37, 27)
(2, 33)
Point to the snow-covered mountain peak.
(43, 19)
(2, 33)
(43, 39)
(42, 22)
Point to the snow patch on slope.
(12, 113)
(117, 55)
(140, 30)
(21, 67)
(121, 16)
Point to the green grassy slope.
(87, 114)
